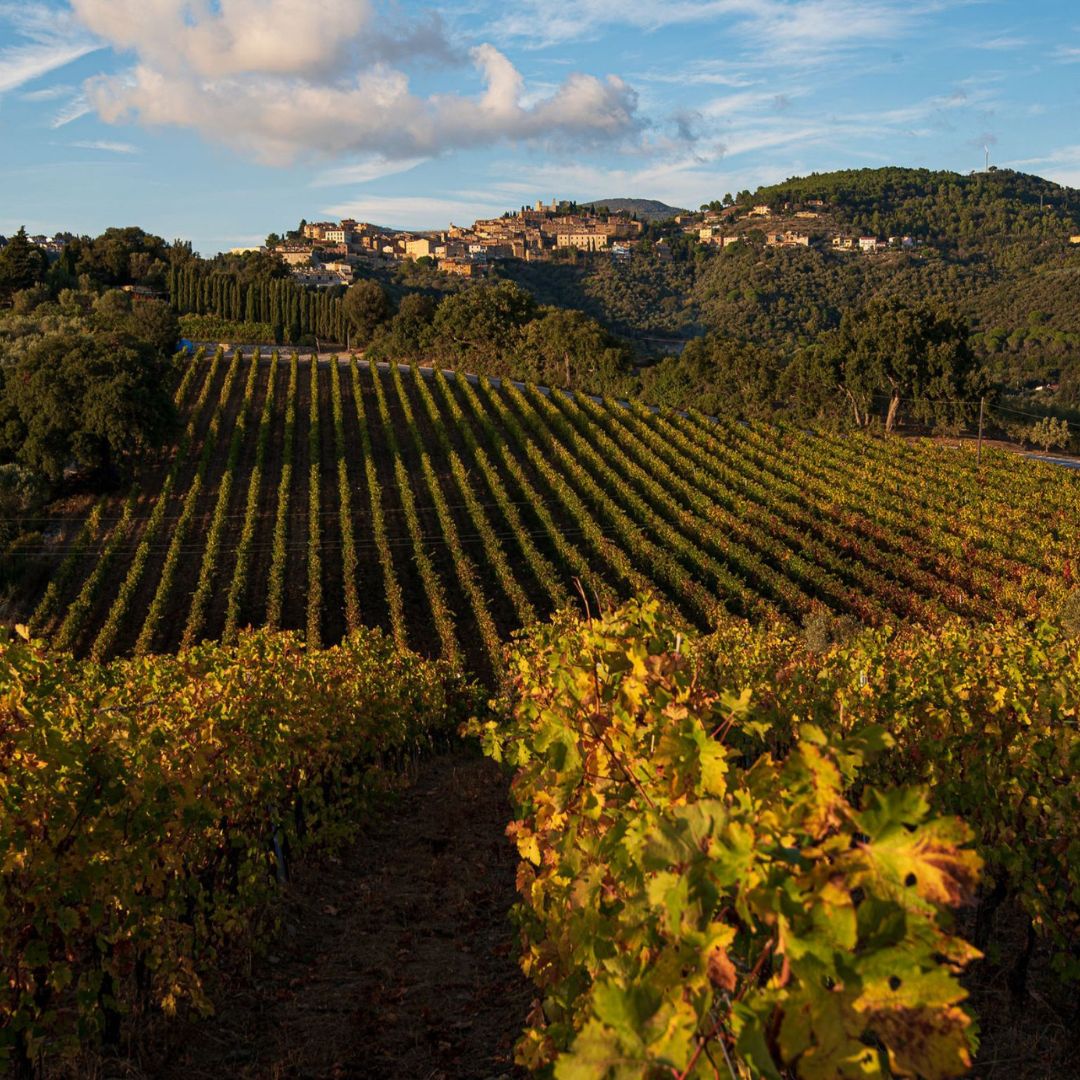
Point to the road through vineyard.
(450, 511)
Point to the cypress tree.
(21, 265)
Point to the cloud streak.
(363, 172)
(791, 32)
(106, 146)
(49, 39)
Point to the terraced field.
(450, 511)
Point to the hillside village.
(806, 225)
(326, 253)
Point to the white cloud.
(363, 172)
(741, 103)
(1002, 42)
(49, 39)
(1061, 165)
(268, 37)
(49, 93)
(108, 147)
(74, 109)
(281, 78)
(699, 73)
(1063, 155)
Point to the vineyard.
(322, 496)
(743, 841)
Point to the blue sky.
(221, 120)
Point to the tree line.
(293, 312)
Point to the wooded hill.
(995, 246)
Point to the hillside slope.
(996, 247)
(324, 496)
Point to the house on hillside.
(317, 230)
(142, 292)
(461, 267)
(844, 243)
(322, 277)
(583, 240)
(871, 244)
(787, 239)
(295, 256)
(761, 211)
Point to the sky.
(219, 121)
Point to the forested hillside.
(994, 246)
(971, 213)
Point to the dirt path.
(395, 960)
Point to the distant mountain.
(646, 209)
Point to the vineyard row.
(450, 511)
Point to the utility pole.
(982, 413)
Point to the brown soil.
(442, 557)
(499, 604)
(253, 607)
(396, 959)
(294, 606)
(333, 577)
(178, 606)
(1028, 1034)
(371, 588)
(423, 636)
(506, 617)
(569, 527)
(236, 512)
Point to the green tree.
(489, 316)
(365, 307)
(1050, 433)
(409, 333)
(567, 348)
(718, 375)
(94, 400)
(808, 386)
(154, 323)
(896, 352)
(126, 256)
(22, 265)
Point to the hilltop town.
(326, 253)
